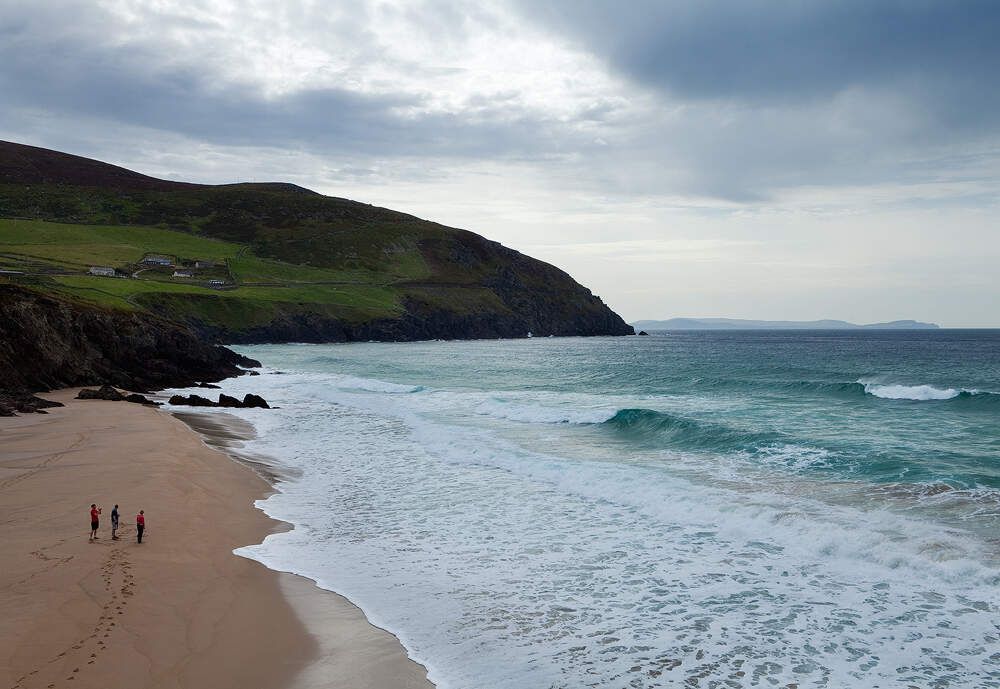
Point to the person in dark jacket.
(114, 524)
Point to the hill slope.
(270, 262)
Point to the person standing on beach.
(114, 524)
(95, 520)
(140, 524)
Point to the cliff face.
(48, 343)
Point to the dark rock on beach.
(141, 399)
(24, 402)
(208, 386)
(643, 333)
(251, 400)
(105, 393)
(192, 401)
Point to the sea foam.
(502, 567)
(910, 392)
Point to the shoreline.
(180, 609)
(353, 652)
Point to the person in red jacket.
(140, 524)
(95, 520)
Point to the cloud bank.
(686, 121)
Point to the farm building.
(157, 260)
(103, 271)
(183, 274)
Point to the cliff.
(47, 343)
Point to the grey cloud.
(752, 96)
(69, 74)
(762, 50)
(761, 95)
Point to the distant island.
(740, 324)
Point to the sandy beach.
(179, 609)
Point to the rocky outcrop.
(47, 342)
(136, 398)
(249, 401)
(24, 402)
(192, 401)
(106, 392)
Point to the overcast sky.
(773, 159)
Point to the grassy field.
(59, 255)
(87, 245)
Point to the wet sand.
(179, 609)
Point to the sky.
(766, 159)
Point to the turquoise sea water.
(716, 509)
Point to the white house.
(183, 274)
(103, 271)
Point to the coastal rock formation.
(249, 401)
(48, 342)
(106, 392)
(142, 399)
(192, 401)
(24, 402)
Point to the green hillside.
(57, 256)
(258, 262)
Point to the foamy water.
(559, 536)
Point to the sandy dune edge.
(178, 610)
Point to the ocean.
(697, 509)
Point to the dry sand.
(178, 610)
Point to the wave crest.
(924, 393)
(910, 392)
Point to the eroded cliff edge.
(48, 343)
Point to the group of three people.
(95, 522)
